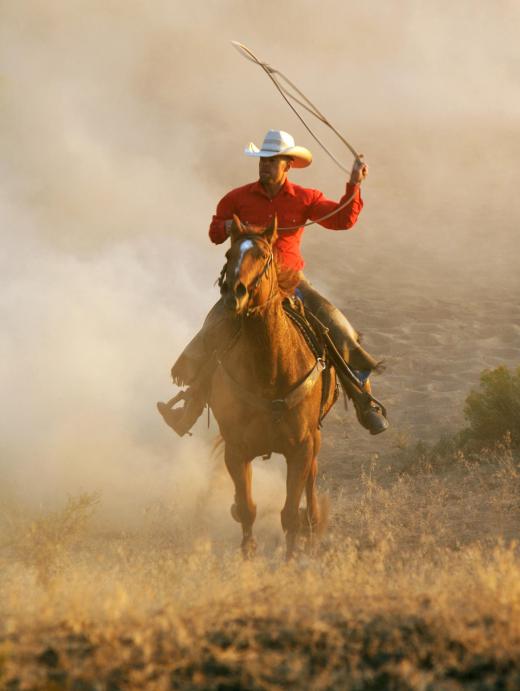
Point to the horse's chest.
(258, 434)
(244, 424)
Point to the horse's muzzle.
(231, 303)
(236, 300)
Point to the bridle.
(253, 287)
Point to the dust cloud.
(122, 124)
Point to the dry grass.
(42, 542)
(416, 586)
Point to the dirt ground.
(435, 334)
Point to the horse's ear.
(236, 228)
(270, 233)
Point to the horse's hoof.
(234, 513)
(249, 547)
(290, 546)
(311, 546)
(305, 528)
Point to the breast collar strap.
(278, 406)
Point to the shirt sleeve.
(344, 219)
(224, 212)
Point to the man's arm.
(220, 223)
(347, 217)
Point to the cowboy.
(256, 204)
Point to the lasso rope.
(274, 76)
(308, 105)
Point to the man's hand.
(359, 171)
(229, 223)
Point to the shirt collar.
(288, 188)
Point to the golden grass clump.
(41, 543)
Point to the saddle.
(319, 340)
(315, 335)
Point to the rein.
(255, 284)
(272, 295)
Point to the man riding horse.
(256, 205)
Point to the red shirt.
(293, 205)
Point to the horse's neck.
(270, 341)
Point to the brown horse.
(266, 393)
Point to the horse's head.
(249, 278)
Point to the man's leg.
(346, 340)
(194, 368)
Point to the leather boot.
(369, 414)
(181, 420)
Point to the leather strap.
(279, 405)
(314, 336)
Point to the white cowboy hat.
(280, 143)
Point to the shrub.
(494, 410)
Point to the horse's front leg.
(299, 463)
(311, 517)
(244, 509)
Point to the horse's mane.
(288, 280)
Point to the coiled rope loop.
(275, 75)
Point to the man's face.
(272, 170)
